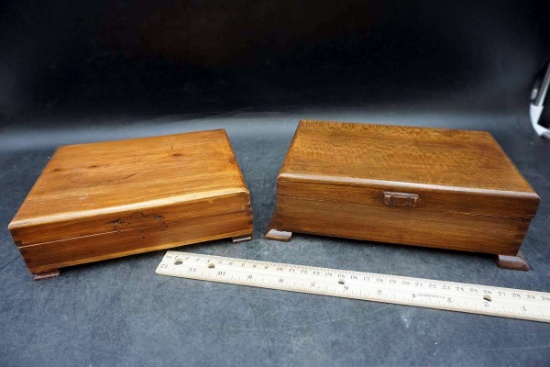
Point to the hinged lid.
(131, 184)
(405, 167)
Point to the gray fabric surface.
(119, 312)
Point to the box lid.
(447, 170)
(148, 182)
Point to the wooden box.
(441, 188)
(105, 200)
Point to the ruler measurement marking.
(464, 297)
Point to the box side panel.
(403, 225)
(237, 167)
(56, 254)
(149, 216)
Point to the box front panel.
(429, 198)
(400, 225)
(151, 216)
(47, 256)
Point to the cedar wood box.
(111, 199)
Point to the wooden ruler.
(462, 297)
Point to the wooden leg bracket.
(274, 234)
(47, 275)
(512, 262)
(242, 239)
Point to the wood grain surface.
(442, 188)
(426, 156)
(104, 200)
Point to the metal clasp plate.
(400, 199)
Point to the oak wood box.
(111, 199)
(442, 188)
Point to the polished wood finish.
(440, 188)
(104, 200)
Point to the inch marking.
(452, 296)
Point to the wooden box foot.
(242, 239)
(274, 234)
(47, 275)
(512, 262)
